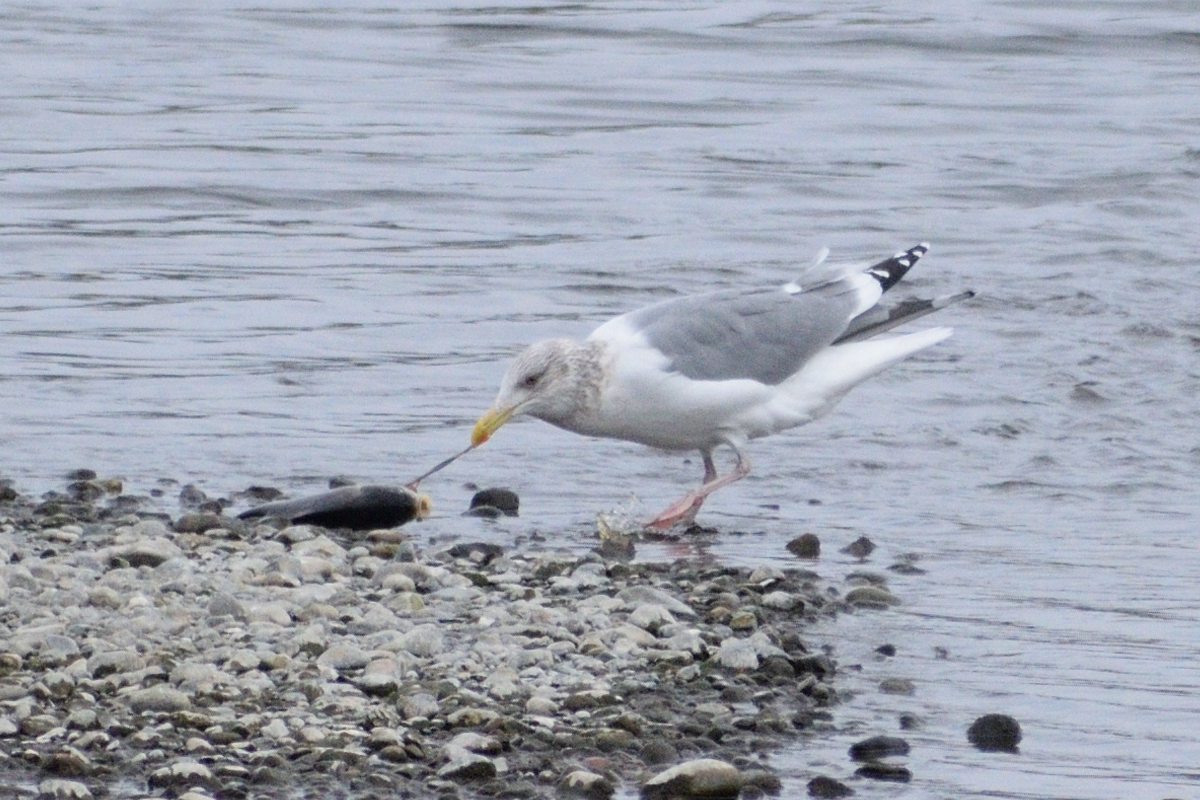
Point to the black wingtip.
(889, 272)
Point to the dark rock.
(81, 475)
(354, 507)
(878, 747)
(806, 545)
(995, 733)
(494, 503)
(887, 650)
(822, 786)
(878, 771)
(262, 493)
(859, 548)
(910, 722)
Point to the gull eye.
(531, 380)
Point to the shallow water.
(246, 246)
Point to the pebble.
(826, 787)
(995, 733)
(878, 747)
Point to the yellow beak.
(488, 423)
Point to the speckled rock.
(703, 778)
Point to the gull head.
(544, 381)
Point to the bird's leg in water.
(685, 510)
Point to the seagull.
(722, 368)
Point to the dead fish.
(358, 508)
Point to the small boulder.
(825, 787)
(494, 503)
(878, 747)
(995, 733)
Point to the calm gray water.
(270, 245)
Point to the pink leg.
(685, 510)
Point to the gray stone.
(424, 641)
(344, 657)
(651, 616)
(55, 650)
(420, 704)
(224, 604)
(158, 698)
(737, 654)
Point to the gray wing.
(877, 320)
(764, 335)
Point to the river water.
(273, 244)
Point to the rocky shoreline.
(209, 657)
